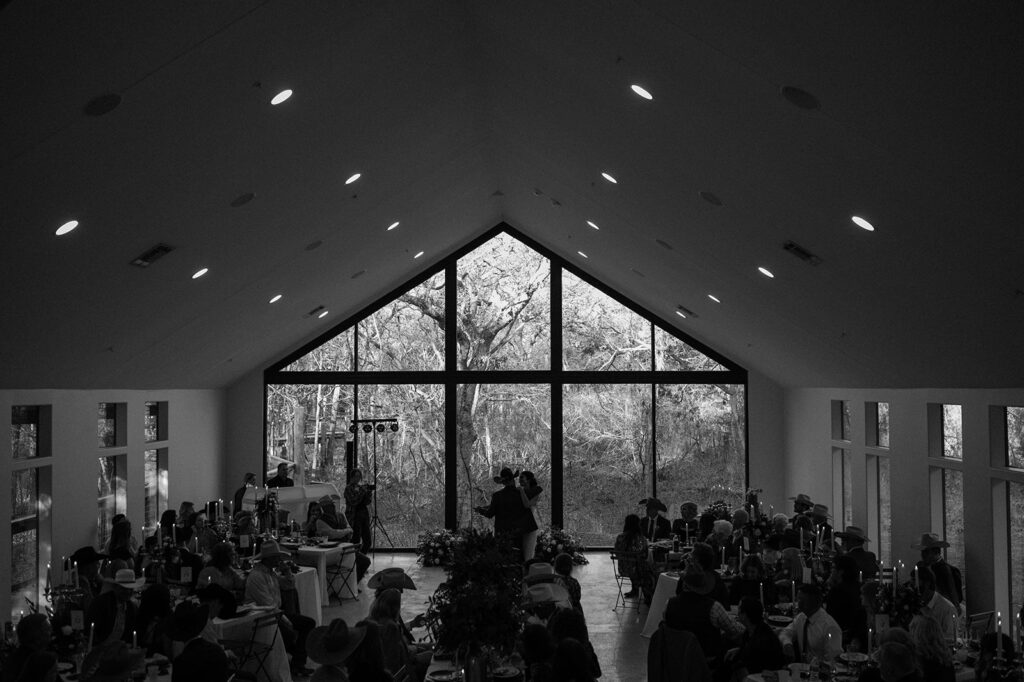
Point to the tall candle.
(860, 576)
(771, 510)
(761, 591)
(135, 639)
(48, 577)
(999, 634)
(870, 633)
(723, 557)
(801, 539)
(687, 533)
(92, 631)
(792, 586)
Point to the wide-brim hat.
(654, 502)
(390, 577)
(215, 592)
(540, 568)
(544, 593)
(112, 662)
(270, 550)
(802, 499)
(332, 644)
(853, 533)
(820, 510)
(188, 620)
(125, 577)
(506, 475)
(697, 580)
(930, 541)
(87, 555)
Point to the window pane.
(25, 431)
(501, 425)
(406, 334)
(23, 494)
(24, 539)
(701, 446)
(847, 519)
(1016, 545)
(336, 355)
(884, 512)
(607, 457)
(106, 427)
(845, 435)
(151, 425)
(1015, 437)
(110, 493)
(313, 420)
(504, 307)
(953, 513)
(410, 461)
(883, 425)
(672, 353)
(952, 432)
(155, 469)
(599, 333)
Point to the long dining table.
(320, 558)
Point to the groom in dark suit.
(654, 526)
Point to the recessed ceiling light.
(281, 97)
(276, 298)
(323, 314)
(103, 104)
(609, 178)
(392, 226)
(641, 91)
(799, 97)
(710, 197)
(583, 254)
(67, 227)
(200, 272)
(860, 222)
(680, 314)
(242, 199)
(418, 254)
(593, 225)
(714, 298)
(766, 272)
(353, 178)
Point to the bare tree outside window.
(1015, 437)
(952, 432)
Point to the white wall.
(808, 469)
(244, 429)
(195, 443)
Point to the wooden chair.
(258, 647)
(341, 571)
(634, 563)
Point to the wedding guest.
(695, 610)
(822, 528)
(396, 639)
(853, 539)
(721, 533)
(203, 537)
(357, 508)
(185, 522)
(34, 635)
(935, 604)
(529, 495)
(113, 613)
(703, 556)
(220, 570)
(281, 480)
(570, 662)
(151, 620)
(507, 510)
(843, 599)
(631, 540)
(813, 633)
(242, 495)
(801, 505)
(90, 582)
(896, 663)
(563, 568)
(331, 646)
(121, 545)
(948, 580)
(334, 526)
(934, 656)
(759, 647)
(200, 660)
(366, 663)
(570, 624)
(752, 583)
(654, 526)
(687, 525)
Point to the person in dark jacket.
(843, 599)
(695, 610)
(704, 557)
(200, 660)
(759, 649)
(34, 635)
(113, 615)
(853, 539)
(507, 510)
(654, 526)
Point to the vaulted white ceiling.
(460, 115)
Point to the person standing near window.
(529, 493)
(357, 509)
(281, 480)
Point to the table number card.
(186, 574)
(77, 620)
(243, 541)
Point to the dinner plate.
(443, 675)
(505, 672)
(853, 657)
(65, 667)
(780, 620)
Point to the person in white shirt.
(813, 633)
(937, 606)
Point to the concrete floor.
(614, 634)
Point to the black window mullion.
(654, 440)
(451, 359)
(557, 444)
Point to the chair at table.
(676, 655)
(403, 675)
(342, 571)
(258, 647)
(624, 565)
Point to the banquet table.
(307, 585)
(322, 557)
(665, 590)
(240, 628)
(964, 674)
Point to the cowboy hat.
(543, 593)
(802, 499)
(188, 621)
(654, 502)
(125, 577)
(540, 568)
(930, 541)
(87, 555)
(270, 550)
(820, 510)
(215, 592)
(332, 644)
(506, 475)
(390, 577)
(113, 662)
(698, 581)
(853, 533)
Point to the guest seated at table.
(771, 557)
(152, 619)
(704, 557)
(331, 646)
(222, 604)
(200, 660)
(244, 535)
(752, 583)
(654, 526)
(570, 624)
(991, 645)
(687, 527)
(721, 533)
(537, 649)
(934, 656)
(328, 522)
(166, 531)
(824, 639)
(632, 540)
(185, 522)
(113, 613)
(34, 635)
(695, 610)
(40, 666)
(853, 539)
(894, 635)
(220, 570)
(563, 568)
(367, 661)
(264, 586)
(802, 533)
(865, 616)
(121, 545)
(759, 647)
(399, 650)
(203, 537)
(896, 663)
(89, 581)
(935, 604)
(571, 661)
(843, 599)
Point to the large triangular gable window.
(502, 355)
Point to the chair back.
(676, 655)
(262, 626)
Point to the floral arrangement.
(718, 509)
(553, 541)
(437, 547)
(900, 603)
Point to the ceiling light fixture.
(641, 91)
(583, 254)
(714, 298)
(609, 178)
(392, 226)
(860, 222)
(322, 315)
(276, 298)
(353, 178)
(681, 314)
(200, 272)
(66, 227)
(418, 254)
(593, 225)
(766, 272)
(281, 97)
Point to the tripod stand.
(376, 427)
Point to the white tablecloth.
(241, 629)
(320, 558)
(665, 590)
(307, 584)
